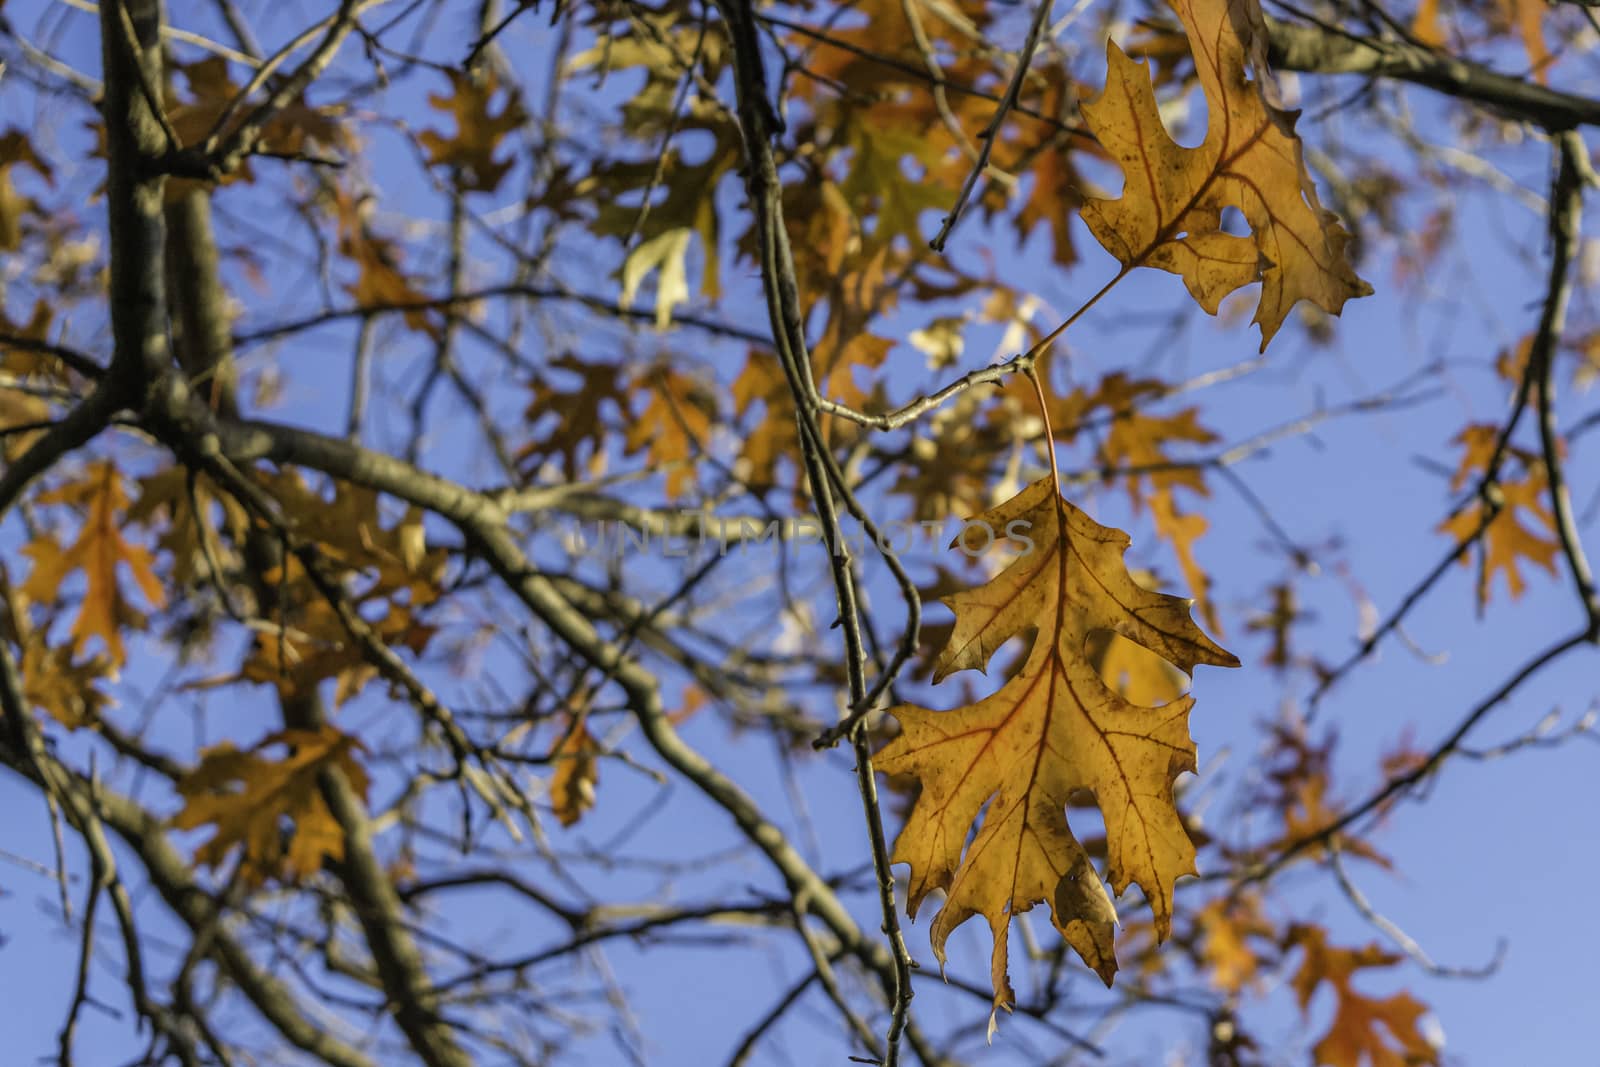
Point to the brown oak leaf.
(479, 130)
(247, 798)
(1365, 1030)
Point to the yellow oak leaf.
(184, 532)
(247, 798)
(98, 551)
(1365, 1030)
(317, 647)
(773, 437)
(350, 530)
(1227, 927)
(19, 410)
(1053, 729)
(64, 688)
(1135, 443)
(1182, 530)
(1170, 212)
(666, 256)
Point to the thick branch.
(1312, 49)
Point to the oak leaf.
(1229, 929)
(350, 530)
(247, 798)
(577, 758)
(98, 551)
(773, 436)
(666, 256)
(1365, 1030)
(1296, 786)
(1278, 622)
(1053, 729)
(1132, 671)
(16, 151)
(189, 535)
(674, 426)
(290, 130)
(1134, 446)
(52, 680)
(20, 360)
(380, 279)
(20, 410)
(578, 414)
(1170, 212)
(479, 130)
(1507, 539)
(317, 647)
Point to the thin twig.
(991, 133)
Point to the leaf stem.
(1049, 435)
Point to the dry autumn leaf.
(1170, 212)
(293, 128)
(65, 689)
(195, 515)
(1229, 927)
(1055, 728)
(674, 426)
(15, 151)
(1365, 1030)
(1134, 447)
(479, 130)
(98, 551)
(577, 758)
(380, 280)
(577, 418)
(1507, 540)
(350, 530)
(666, 256)
(247, 798)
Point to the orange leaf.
(577, 760)
(1380, 1033)
(1053, 729)
(674, 425)
(1507, 540)
(579, 414)
(1170, 212)
(247, 797)
(97, 552)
